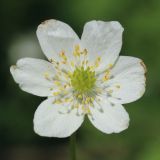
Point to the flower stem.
(73, 146)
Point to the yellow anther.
(46, 75)
(76, 106)
(86, 102)
(88, 99)
(64, 62)
(77, 48)
(106, 76)
(91, 68)
(118, 86)
(52, 60)
(79, 96)
(97, 61)
(56, 93)
(57, 101)
(72, 64)
(92, 99)
(89, 112)
(86, 109)
(57, 83)
(83, 62)
(57, 67)
(68, 99)
(61, 88)
(62, 54)
(76, 51)
(110, 66)
(107, 72)
(65, 92)
(85, 52)
(110, 91)
(65, 86)
(64, 57)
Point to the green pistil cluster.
(83, 80)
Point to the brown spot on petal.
(14, 67)
(47, 21)
(144, 66)
(145, 69)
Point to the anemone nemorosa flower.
(83, 77)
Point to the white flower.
(83, 77)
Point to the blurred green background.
(19, 20)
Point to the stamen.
(76, 51)
(97, 62)
(118, 86)
(77, 77)
(46, 75)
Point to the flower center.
(76, 86)
(83, 80)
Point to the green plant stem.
(73, 146)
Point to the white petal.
(49, 122)
(129, 75)
(29, 74)
(103, 39)
(55, 36)
(109, 119)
